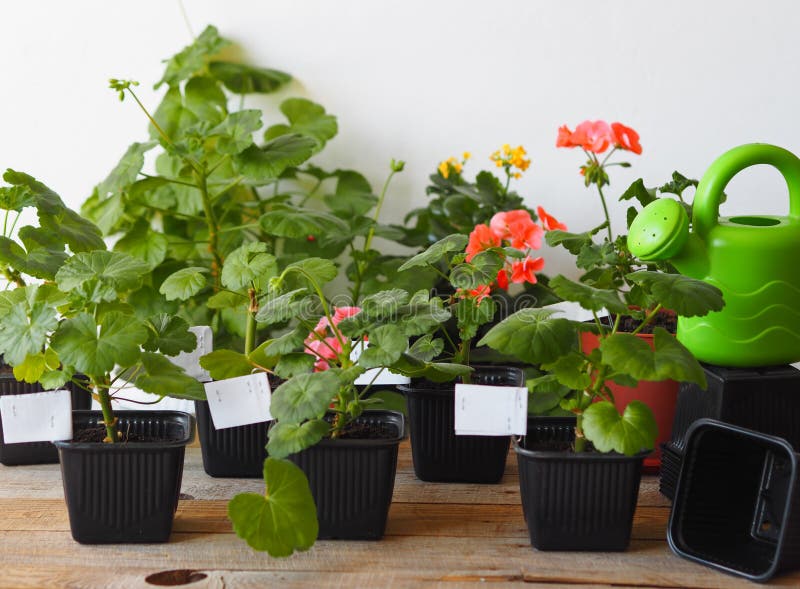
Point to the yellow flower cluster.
(451, 164)
(509, 157)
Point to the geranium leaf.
(125, 172)
(143, 243)
(305, 396)
(295, 363)
(288, 342)
(481, 270)
(184, 283)
(204, 98)
(193, 57)
(386, 344)
(26, 320)
(280, 308)
(353, 196)
(101, 275)
(248, 264)
(161, 377)
(290, 438)
(222, 364)
(533, 336)
(93, 351)
(628, 354)
(320, 269)
(261, 165)
(235, 133)
(688, 297)
(384, 302)
(245, 79)
(452, 243)
(305, 118)
(630, 433)
(226, 299)
(593, 299)
(297, 222)
(169, 334)
(426, 348)
(281, 521)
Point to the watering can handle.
(725, 167)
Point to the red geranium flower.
(525, 271)
(481, 238)
(517, 227)
(549, 222)
(502, 279)
(480, 293)
(626, 138)
(594, 136)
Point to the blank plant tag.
(190, 361)
(375, 376)
(483, 410)
(37, 417)
(239, 401)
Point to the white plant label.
(239, 401)
(375, 376)
(37, 417)
(483, 410)
(190, 361)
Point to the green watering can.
(753, 259)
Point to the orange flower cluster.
(511, 157)
(517, 229)
(597, 136)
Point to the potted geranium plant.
(321, 438)
(597, 454)
(494, 255)
(31, 254)
(81, 322)
(609, 263)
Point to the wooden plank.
(645, 564)
(17, 577)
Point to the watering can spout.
(661, 232)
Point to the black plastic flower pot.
(440, 455)
(33, 452)
(671, 458)
(764, 399)
(126, 492)
(575, 501)
(737, 503)
(236, 452)
(352, 479)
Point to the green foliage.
(289, 438)
(434, 253)
(305, 118)
(686, 296)
(632, 432)
(282, 520)
(101, 275)
(533, 336)
(184, 283)
(303, 397)
(222, 364)
(169, 334)
(161, 377)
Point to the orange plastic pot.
(660, 396)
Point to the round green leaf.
(452, 243)
(184, 283)
(245, 79)
(533, 336)
(284, 519)
(304, 396)
(630, 433)
(290, 438)
(101, 275)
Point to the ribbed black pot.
(233, 452)
(352, 480)
(439, 454)
(236, 452)
(575, 501)
(33, 452)
(127, 492)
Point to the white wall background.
(422, 80)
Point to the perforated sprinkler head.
(659, 231)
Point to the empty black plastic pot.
(126, 492)
(236, 452)
(575, 501)
(33, 452)
(352, 479)
(737, 506)
(439, 454)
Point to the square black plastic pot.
(235, 452)
(737, 505)
(352, 480)
(439, 454)
(34, 452)
(575, 501)
(127, 492)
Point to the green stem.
(213, 229)
(110, 422)
(250, 330)
(580, 438)
(647, 319)
(508, 179)
(605, 212)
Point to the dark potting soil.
(97, 434)
(668, 321)
(369, 431)
(556, 446)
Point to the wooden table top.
(446, 535)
